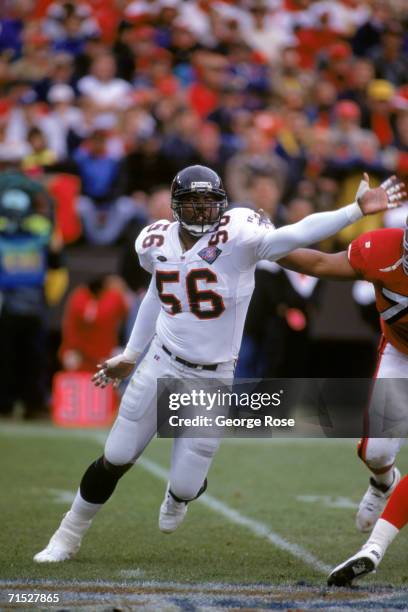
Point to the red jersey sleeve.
(377, 252)
(360, 255)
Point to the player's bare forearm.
(331, 266)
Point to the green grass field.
(278, 514)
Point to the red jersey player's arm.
(334, 266)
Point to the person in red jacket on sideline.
(92, 319)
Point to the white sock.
(385, 479)
(83, 510)
(382, 535)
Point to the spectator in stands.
(69, 24)
(379, 111)
(347, 133)
(401, 144)
(123, 53)
(292, 141)
(255, 156)
(147, 165)
(29, 254)
(91, 325)
(29, 113)
(106, 91)
(390, 60)
(40, 155)
(265, 193)
(15, 149)
(179, 145)
(339, 65)
(104, 212)
(267, 31)
(61, 72)
(68, 119)
(183, 46)
(12, 27)
(211, 76)
(210, 151)
(361, 76)
(368, 34)
(230, 103)
(155, 74)
(321, 111)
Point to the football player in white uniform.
(202, 268)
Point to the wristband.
(130, 355)
(353, 212)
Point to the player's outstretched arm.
(121, 366)
(319, 226)
(332, 266)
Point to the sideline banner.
(76, 402)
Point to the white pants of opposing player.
(136, 423)
(379, 453)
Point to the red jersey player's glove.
(390, 194)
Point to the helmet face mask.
(198, 200)
(405, 250)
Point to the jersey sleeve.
(144, 252)
(360, 256)
(309, 230)
(145, 324)
(249, 228)
(148, 244)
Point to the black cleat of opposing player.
(354, 568)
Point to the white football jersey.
(205, 291)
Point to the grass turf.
(260, 479)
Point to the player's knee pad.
(99, 482)
(379, 453)
(122, 447)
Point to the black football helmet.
(198, 199)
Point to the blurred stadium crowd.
(103, 101)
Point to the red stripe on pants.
(396, 510)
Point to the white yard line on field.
(256, 527)
(259, 529)
(44, 430)
(329, 501)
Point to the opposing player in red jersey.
(394, 518)
(380, 257)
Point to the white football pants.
(136, 423)
(387, 400)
